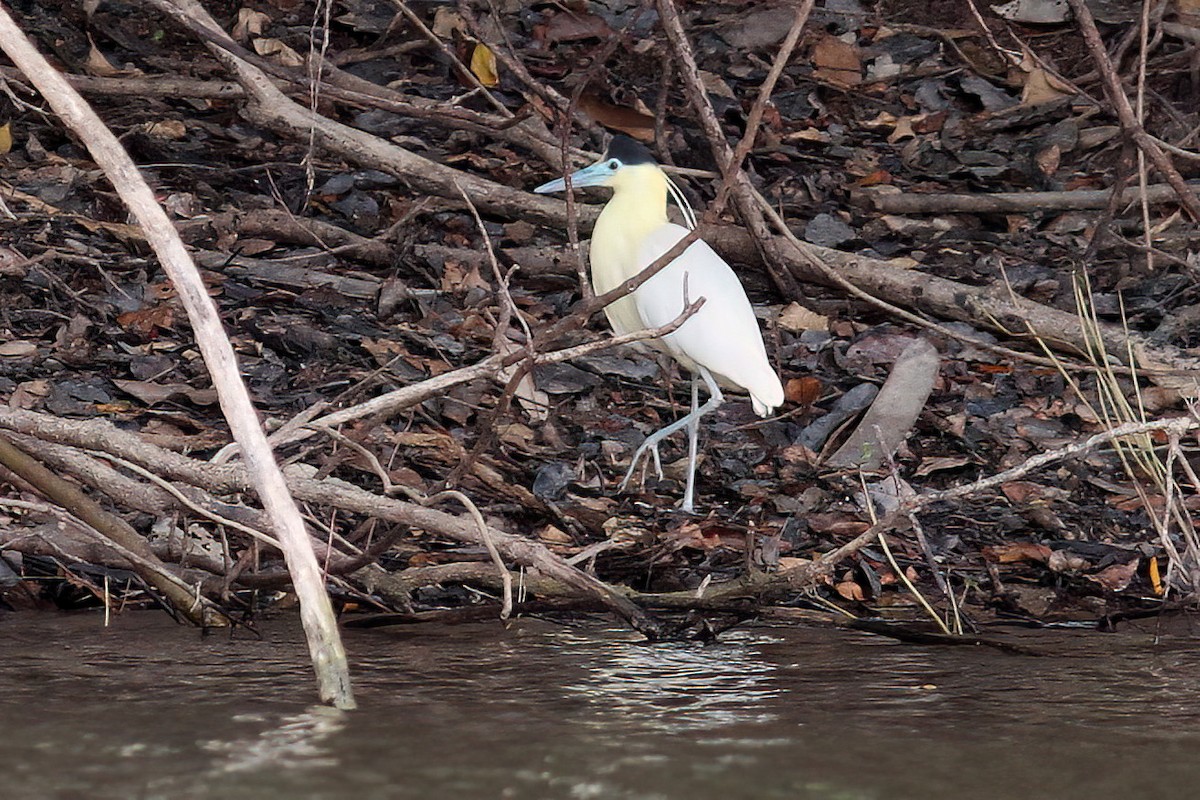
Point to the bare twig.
(1125, 113)
(110, 529)
(329, 658)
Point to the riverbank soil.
(1023, 253)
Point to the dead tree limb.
(325, 647)
(1125, 114)
(231, 479)
(1014, 202)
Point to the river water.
(146, 709)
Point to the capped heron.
(720, 343)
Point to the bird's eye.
(614, 165)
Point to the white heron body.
(721, 342)
(631, 233)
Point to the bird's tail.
(766, 394)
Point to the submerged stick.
(316, 612)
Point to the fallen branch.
(233, 478)
(1013, 202)
(1125, 114)
(329, 658)
(114, 533)
(757, 586)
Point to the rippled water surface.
(146, 709)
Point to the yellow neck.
(637, 207)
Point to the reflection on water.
(296, 742)
(677, 687)
(149, 710)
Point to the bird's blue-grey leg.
(692, 419)
(693, 441)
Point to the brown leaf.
(458, 277)
(29, 394)
(795, 318)
(837, 62)
(516, 435)
(383, 350)
(1116, 576)
(572, 26)
(626, 120)
(1048, 159)
(851, 591)
(278, 52)
(554, 535)
(835, 524)
(147, 322)
(1041, 87)
(255, 247)
(98, 64)
(1030, 492)
(447, 21)
(153, 393)
(1017, 551)
(17, 348)
(803, 391)
(249, 23)
(789, 563)
(171, 129)
(936, 463)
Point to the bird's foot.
(637, 457)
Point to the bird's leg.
(693, 441)
(690, 421)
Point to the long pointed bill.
(595, 175)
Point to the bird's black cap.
(629, 152)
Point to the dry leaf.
(571, 26)
(170, 129)
(837, 62)
(554, 535)
(903, 130)
(1041, 87)
(147, 322)
(535, 402)
(933, 464)
(803, 391)
(1116, 576)
(5, 138)
(807, 135)
(515, 434)
(457, 277)
(1066, 561)
(446, 21)
(279, 52)
(249, 23)
(626, 120)
(1017, 551)
(713, 84)
(796, 318)
(17, 348)
(1048, 159)
(1037, 12)
(851, 591)
(483, 64)
(154, 393)
(97, 64)
(29, 394)
(1155, 576)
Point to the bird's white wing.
(723, 335)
